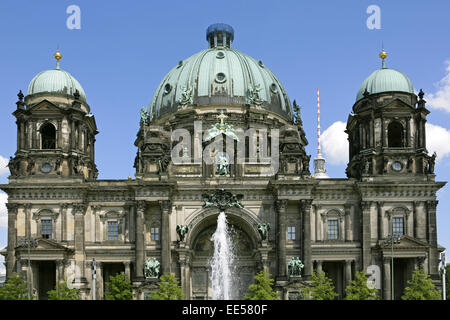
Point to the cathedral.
(221, 134)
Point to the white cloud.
(441, 98)
(3, 166)
(3, 210)
(335, 144)
(438, 140)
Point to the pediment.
(397, 105)
(46, 244)
(44, 106)
(406, 242)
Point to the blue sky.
(124, 49)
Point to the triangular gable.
(46, 244)
(44, 106)
(397, 105)
(406, 242)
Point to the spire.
(58, 57)
(383, 55)
(319, 161)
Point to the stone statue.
(186, 96)
(295, 267)
(145, 117)
(431, 162)
(58, 166)
(182, 231)
(12, 166)
(253, 95)
(222, 165)
(263, 229)
(222, 200)
(306, 164)
(298, 120)
(151, 268)
(30, 167)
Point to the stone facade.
(335, 225)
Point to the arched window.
(48, 134)
(395, 135)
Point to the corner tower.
(386, 130)
(55, 130)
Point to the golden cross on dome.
(222, 116)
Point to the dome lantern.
(220, 35)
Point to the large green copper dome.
(55, 81)
(221, 76)
(385, 80)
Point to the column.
(184, 261)
(127, 269)
(166, 208)
(12, 238)
(316, 211)
(348, 272)
(27, 209)
(95, 212)
(280, 206)
(79, 210)
(306, 245)
(365, 230)
(348, 223)
(415, 219)
(319, 266)
(62, 214)
(140, 239)
(380, 219)
(387, 278)
(408, 132)
(433, 260)
(100, 292)
(59, 271)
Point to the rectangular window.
(291, 233)
(154, 234)
(397, 226)
(47, 228)
(113, 230)
(333, 229)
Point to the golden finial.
(58, 57)
(383, 55)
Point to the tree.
(447, 281)
(14, 289)
(358, 289)
(421, 287)
(63, 292)
(262, 289)
(169, 289)
(119, 288)
(322, 288)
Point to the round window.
(397, 166)
(220, 55)
(46, 167)
(221, 77)
(167, 88)
(273, 88)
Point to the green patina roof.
(55, 80)
(219, 75)
(385, 80)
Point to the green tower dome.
(55, 81)
(220, 75)
(385, 80)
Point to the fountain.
(222, 262)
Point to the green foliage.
(63, 292)
(14, 289)
(119, 288)
(358, 289)
(447, 281)
(421, 287)
(262, 289)
(322, 288)
(169, 289)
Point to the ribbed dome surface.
(220, 76)
(57, 81)
(385, 80)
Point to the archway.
(245, 240)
